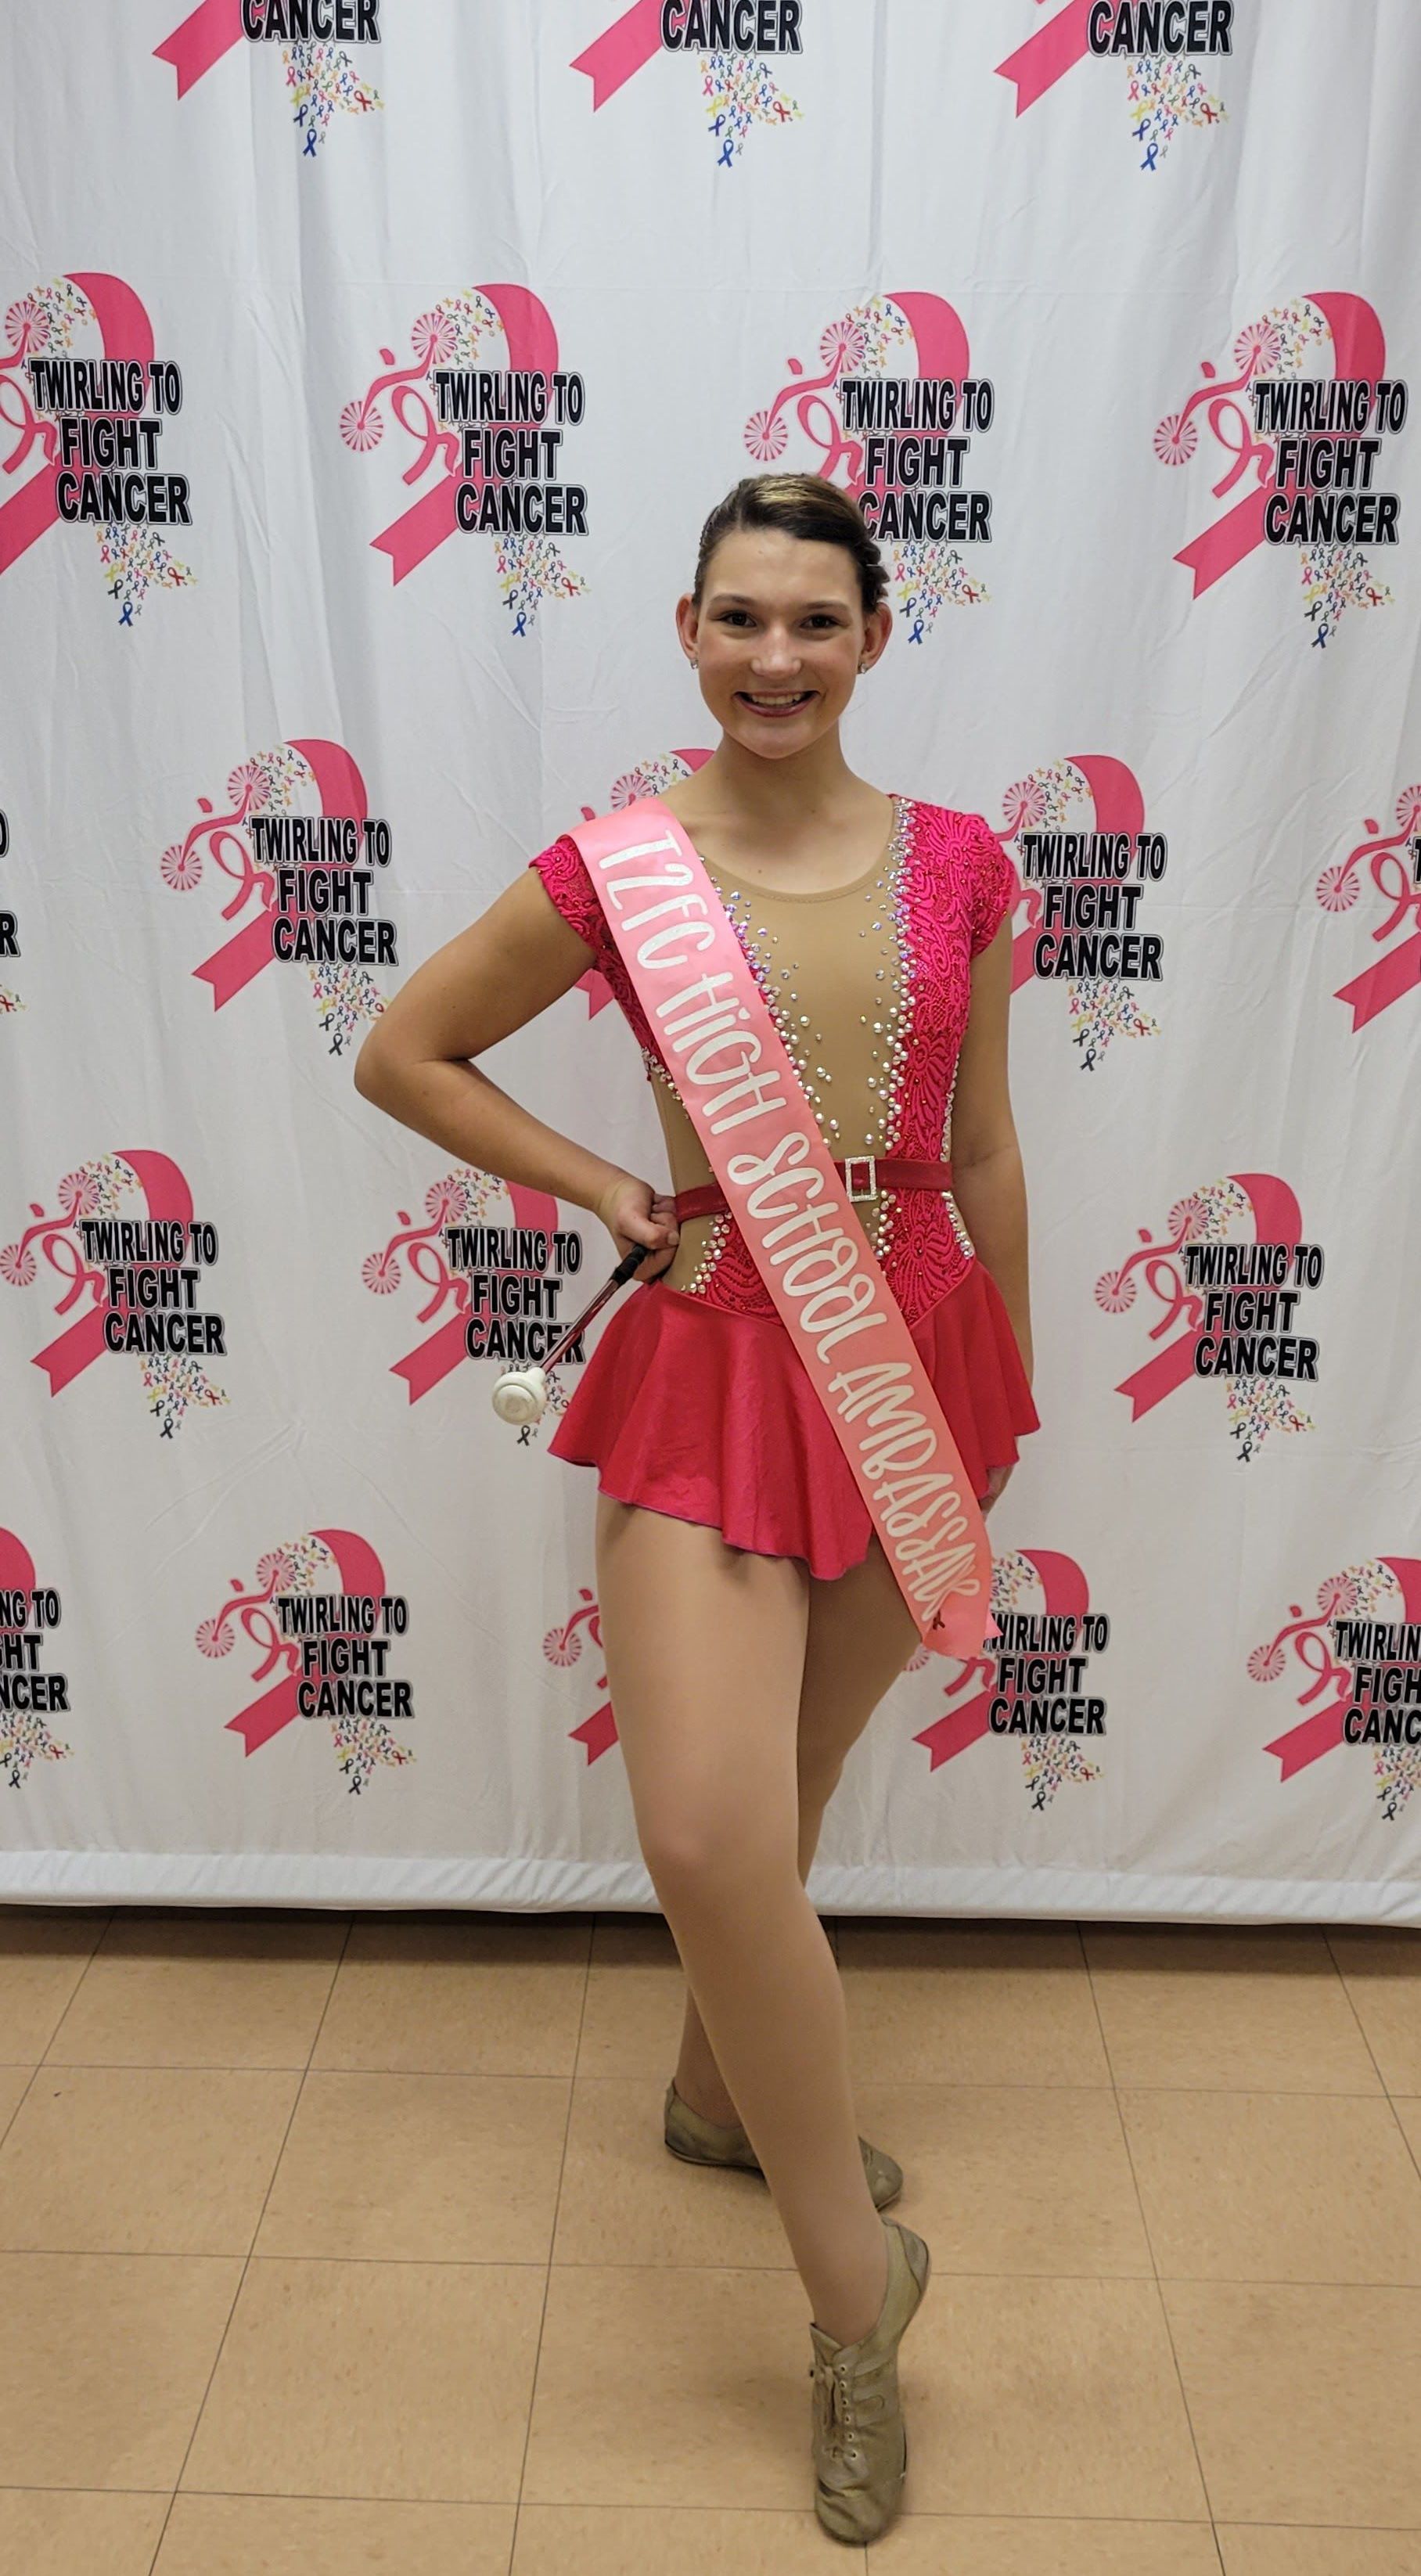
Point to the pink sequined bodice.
(869, 988)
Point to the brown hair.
(803, 505)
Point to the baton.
(521, 1394)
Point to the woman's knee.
(707, 1854)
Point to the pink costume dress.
(694, 1401)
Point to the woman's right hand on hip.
(633, 1213)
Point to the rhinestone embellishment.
(885, 898)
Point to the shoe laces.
(835, 2403)
(847, 2404)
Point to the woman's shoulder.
(970, 860)
(564, 873)
(957, 825)
(561, 862)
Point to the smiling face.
(779, 637)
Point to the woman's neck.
(775, 800)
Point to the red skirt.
(711, 1417)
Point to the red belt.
(875, 1172)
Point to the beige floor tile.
(930, 2545)
(971, 2159)
(199, 1989)
(13, 2081)
(1408, 2111)
(672, 2388)
(636, 2000)
(1037, 2397)
(1226, 2010)
(870, 1925)
(636, 1997)
(1302, 2400)
(420, 2169)
(1275, 2186)
(306, 2536)
(142, 2160)
(394, 2380)
(626, 2199)
(633, 1936)
(652, 2540)
(103, 2361)
(45, 2533)
(974, 2157)
(1259, 2552)
(1382, 1974)
(480, 1995)
(44, 1952)
(969, 2004)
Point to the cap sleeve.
(563, 870)
(993, 886)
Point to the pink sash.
(763, 1143)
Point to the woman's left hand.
(996, 1479)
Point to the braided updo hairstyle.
(803, 505)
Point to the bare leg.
(861, 1634)
(705, 1655)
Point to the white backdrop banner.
(367, 370)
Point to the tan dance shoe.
(859, 2440)
(703, 2142)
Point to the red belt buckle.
(867, 1163)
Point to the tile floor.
(347, 2246)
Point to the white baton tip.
(520, 1395)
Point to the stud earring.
(695, 662)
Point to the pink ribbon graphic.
(621, 50)
(342, 792)
(598, 1733)
(1382, 984)
(360, 1573)
(1358, 354)
(1378, 986)
(446, 1350)
(863, 1362)
(213, 29)
(168, 1199)
(1276, 1219)
(1047, 56)
(126, 333)
(939, 334)
(940, 351)
(1322, 1732)
(1119, 807)
(532, 346)
(1064, 1593)
(17, 1573)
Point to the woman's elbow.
(371, 1068)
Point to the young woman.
(750, 1618)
